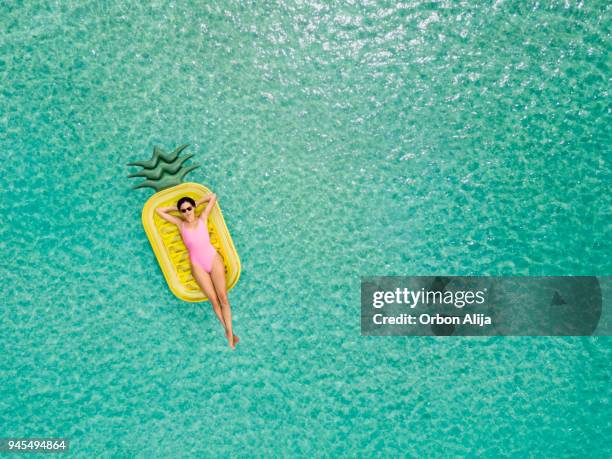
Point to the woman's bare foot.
(235, 340)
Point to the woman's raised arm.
(163, 213)
(212, 198)
(206, 198)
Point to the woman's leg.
(217, 275)
(202, 278)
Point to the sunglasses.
(186, 209)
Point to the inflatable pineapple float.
(164, 172)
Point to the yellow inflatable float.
(164, 173)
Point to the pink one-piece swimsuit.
(197, 241)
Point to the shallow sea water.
(343, 140)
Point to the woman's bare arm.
(211, 202)
(163, 213)
(206, 198)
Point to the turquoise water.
(342, 140)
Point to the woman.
(206, 264)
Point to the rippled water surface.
(343, 140)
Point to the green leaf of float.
(161, 168)
(159, 185)
(150, 163)
(167, 181)
(185, 171)
(159, 154)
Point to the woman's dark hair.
(185, 199)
